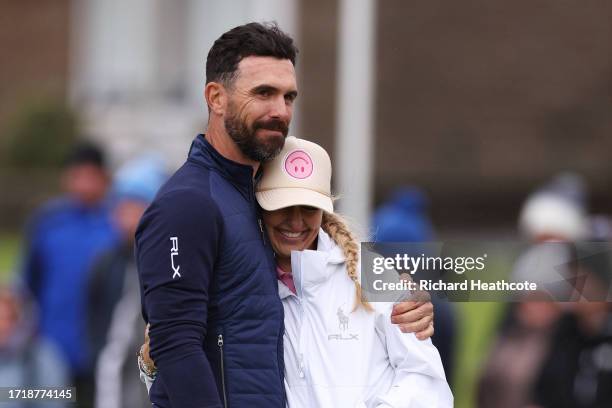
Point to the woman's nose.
(296, 220)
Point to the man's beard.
(249, 144)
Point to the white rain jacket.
(336, 357)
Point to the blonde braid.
(335, 226)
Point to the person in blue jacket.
(62, 240)
(207, 273)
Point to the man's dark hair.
(253, 39)
(85, 153)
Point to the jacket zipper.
(263, 235)
(254, 205)
(220, 344)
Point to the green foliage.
(9, 250)
(39, 135)
(476, 330)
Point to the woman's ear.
(216, 97)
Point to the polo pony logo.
(343, 320)
(343, 326)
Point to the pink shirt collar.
(286, 278)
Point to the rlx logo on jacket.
(343, 325)
(173, 253)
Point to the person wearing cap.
(551, 219)
(114, 323)
(340, 350)
(207, 272)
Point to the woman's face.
(293, 228)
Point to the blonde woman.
(339, 351)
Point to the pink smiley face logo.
(298, 164)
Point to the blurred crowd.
(73, 316)
(554, 347)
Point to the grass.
(9, 250)
(477, 323)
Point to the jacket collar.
(313, 267)
(283, 290)
(202, 152)
(327, 245)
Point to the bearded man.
(207, 272)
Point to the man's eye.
(265, 92)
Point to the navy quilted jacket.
(209, 289)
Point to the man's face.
(86, 183)
(260, 106)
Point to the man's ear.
(216, 97)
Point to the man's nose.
(280, 109)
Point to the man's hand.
(415, 314)
(414, 317)
(144, 350)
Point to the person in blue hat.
(403, 218)
(114, 323)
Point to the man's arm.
(176, 248)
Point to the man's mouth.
(273, 126)
(272, 131)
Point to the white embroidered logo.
(343, 320)
(173, 253)
(343, 326)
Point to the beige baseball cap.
(299, 175)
